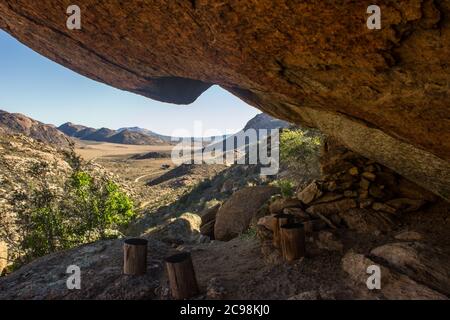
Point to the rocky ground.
(352, 220)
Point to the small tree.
(299, 153)
(87, 210)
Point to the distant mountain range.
(16, 123)
(135, 135)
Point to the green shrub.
(299, 153)
(249, 234)
(287, 187)
(296, 144)
(88, 209)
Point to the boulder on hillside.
(207, 229)
(235, 215)
(181, 230)
(208, 217)
(209, 214)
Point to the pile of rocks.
(353, 192)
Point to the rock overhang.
(384, 93)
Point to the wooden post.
(180, 270)
(293, 241)
(280, 220)
(135, 256)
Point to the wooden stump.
(180, 270)
(280, 220)
(135, 256)
(293, 241)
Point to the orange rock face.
(384, 93)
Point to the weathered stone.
(310, 193)
(409, 236)
(181, 230)
(209, 214)
(297, 213)
(314, 225)
(263, 233)
(405, 205)
(408, 189)
(366, 220)
(278, 205)
(326, 220)
(364, 184)
(378, 206)
(336, 219)
(260, 213)
(330, 208)
(342, 186)
(207, 229)
(354, 171)
(377, 192)
(328, 197)
(386, 179)
(394, 285)
(330, 186)
(350, 194)
(363, 194)
(334, 165)
(365, 203)
(267, 222)
(235, 215)
(422, 263)
(328, 241)
(369, 176)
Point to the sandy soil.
(91, 149)
(117, 158)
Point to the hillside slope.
(16, 123)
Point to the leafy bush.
(249, 234)
(297, 144)
(299, 153)
(88, 209)
(287, 187)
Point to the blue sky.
(37, 87)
